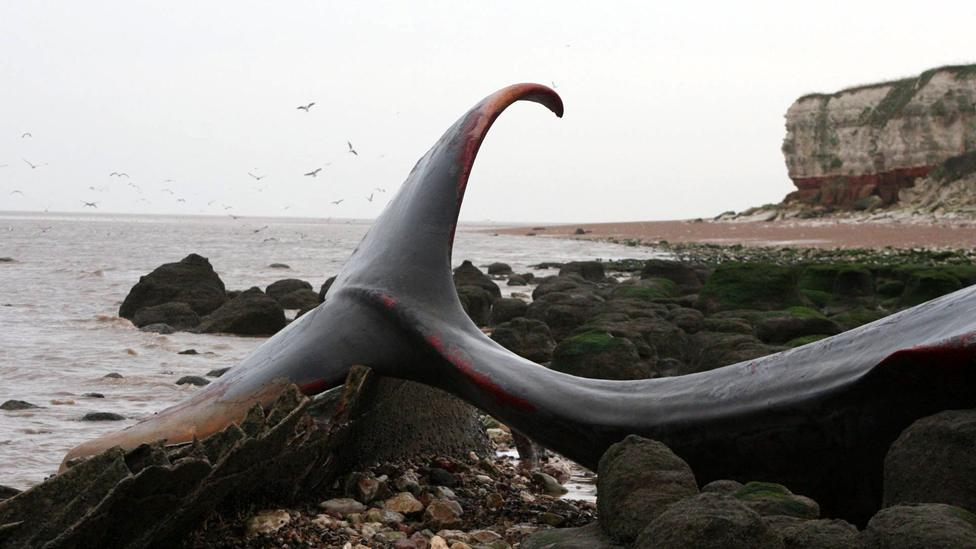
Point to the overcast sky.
(673, 109)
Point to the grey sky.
(673, 110)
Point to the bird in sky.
(554, 84)
(181, 200)
(26, 134)
(352, 150)
(17, 191)
(211, 203)
(170, 191)
(119, 174)
(90, 204)
(257, 177)
(226, 207)
(369, 198)
(337, 202)
(379, 189)
(33, 166)
(167, 181)
(306, 107)
(315, 172)
(134, 186)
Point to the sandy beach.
(805, 234)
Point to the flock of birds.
(123, 175)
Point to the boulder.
(588, 270)
(598, 355)
(102, 416)
(507, 308)
(476, 302)
(13, 405)
(769, 498)
(926, 285)
(648, 289)
(158, 328)
(517, 280)
(933, 461)
(266, 522)
(921, 525)
(707, 521)
(637, 480)
(815, 534)
(759, 286)
(303, 300)
(175, 314)
(193, 380)
(403, 503)
(251, 313)
(469, 275)
(710, 350)
(590, 536)
(325, 287)
(192, 280)
(563, 312)
(684, 276)
(689, 320)
(342, 506)
(783, 326)
(839, 280)
(525, 337)
(499, 268)
(723, 486)
(280, 288)
(572, 284)
(443, 514)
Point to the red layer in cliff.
(843, 191)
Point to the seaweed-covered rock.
(499, 268)
(590, 536)
(16, 405)
(928, 284)
(588, 270)
(280, 288)
(507, 308)
(637, 480)
(648, 289)
(814, 534)
(760, 286)
(303, 300)
(840, 280)
(176, 314)
(599, 355)
(710, 350)
(682, 274)
(469, 275)
(250, 313)
(783, 326)
(192, 280)
(933, 461)
(476, 302)
(708, 521)
(769, 498)
(525, 337)
(563, 312)
(928, 525)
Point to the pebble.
(113, 375)
(266, 522)
(342, 506)
(193, 380)
(102, 416)
(403, 503)
(12, 405)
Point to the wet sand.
(804, 234)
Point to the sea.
(64, 276)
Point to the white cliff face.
(877, 139)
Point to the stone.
(193, 380)
(250, 313)
(783, 326)
(638, 479)
(113, 375)
(266, 522)
(383, 516)
(507, 308)
(279, 266)
(758, 286)
(158, 328)
(476, 302)
(303, 300)
(443, 513)
(468, 275)
(528, 338)
(403, 503)
(179, 315)
(438, 476)
(12, 405)
(93, 395)
(585, 537)
(499, 268)
(217, 372)
(819, 534)
(362, 487)
(192, 281)
(679, 272)
(769, 498)
(925, 285)
(276, 290)
(6, 492)
(517, 280)
(342, 506)
(102, 416)
(707, 521)
(588, 270)
(728, 487)
(932, 461)
(188, 352)
(548, 484)
(324, 289)
(928, 525)
(598, 355)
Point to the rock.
(443, 513)
(279, 266)
(528, 338)
(102, 416)
(710, 350)
(932, 461)
(303, 300)
(362, 487)
(192, 281)
(685, 277)
(6, 259)
(637, 480)
(113, 375)
(877, 139)
(579, 231)
(217, 372)
(563, 312)
(188, 352)
(325, 287)
(12, 405)
(689, 320)
(817, 534)
(476, 302)
(383, 516)
(469, 275)
(342, 506)
(598, 355)
(839, 280)
(728, 487)
(403, 503)
(499, 268)
(93, 395)
(6, 492)
(517, 280)
(928, 525)
(547, 484)
(158, 328)
(193, 380)
(440, 477)
(707, 521)
(266, 522)
(645, 290)
(588, 270)
(408, 482)
(176, 314)
(759, 286)
(926, 285)
(768, 498)
(285, 286)
(783, 326)
(251, 313)
(507, 308)
(586, 537)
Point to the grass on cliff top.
(959, 71)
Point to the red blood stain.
(314, 387)
(478, 378)
(388, 300)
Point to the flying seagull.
(337, 202)
(315, 172)
(306, 107)
(258, 177)
(181, 200)
(369, 198)
(90, 204)
(17, 191)
(33, 166)
(26, 134)
(380, 189)
(170, 191)
(119, 174)
(352, 150)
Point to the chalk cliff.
(844, 148)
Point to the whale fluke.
(818, 418)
